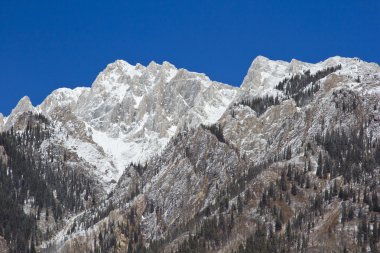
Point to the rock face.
(138, 101)
(207, 152)
(129, 113)
(256, 135)
(23, 106)
(184, 180)
(264, 74)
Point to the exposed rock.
(151, 116)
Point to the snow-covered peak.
(163, 72)
(126, 68)
(350, 64)
(264, 63)
(167, 64)
(118, 73)
(62, 99)
(295, 66)
(24, 105)
(131, 112)
(264, 74)
(260, 60)
(153, 65)
(341, 60)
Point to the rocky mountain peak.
(62, 99)
(263, 75)
(125, 67)
(130, 113)
(259, 61)
(23, 106)
(138, 109)
(296, 66)
(167, 147)
(117, 73)
(167, 64)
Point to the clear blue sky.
(49, 44)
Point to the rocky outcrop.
(23, 106)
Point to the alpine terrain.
(159, 159)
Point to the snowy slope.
(264, 74)
(129, 113)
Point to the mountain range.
(159, 159)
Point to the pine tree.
(239, 204)
(319, 172)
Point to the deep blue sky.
(49, 44)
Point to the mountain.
(160, 159)
(128, 114)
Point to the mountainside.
(128, 114)
(160, 159)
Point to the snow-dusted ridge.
(131, 111)
(131, 114)
(264, 74)
(128, 114)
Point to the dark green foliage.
(20, 180)
(319, 172)
(216, 130)
(106, 241)
(288, 153)
(349, 154)
(15, 225)
(298, 82)
(139, 168)
(297, 88)
(294, 189)
(261, 104)
(345, 100)
(30, 176)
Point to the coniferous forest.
(35, 187)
